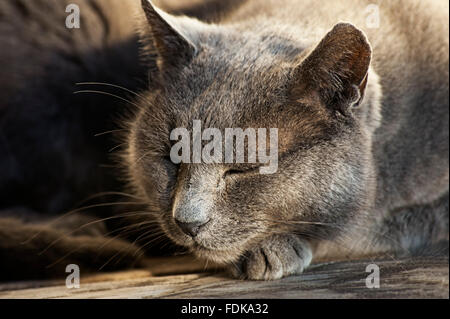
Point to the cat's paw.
(275, 258)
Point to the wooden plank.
(407, 278)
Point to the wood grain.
(407, 278)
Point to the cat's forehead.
(229, 84)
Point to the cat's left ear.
(171, 43)
(336, 71)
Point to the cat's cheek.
(157, 182)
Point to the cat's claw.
(275, 258)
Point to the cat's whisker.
(112, 85)
(79, 248)
(61, 217)
(149, 234)
(143, 156)
(116, 147)
(205, 266)
(126, 230)
(121, 234)
(156, 239)
(102, 194)
(92, 223)
(112, 257)
(64, 257)
(110, 132)
(107, 94)
(141, 249)
(167, 241)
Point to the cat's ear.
(171, 43)
(336, 71)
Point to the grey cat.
(363, 121)
(362, 114)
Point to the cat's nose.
(191, 229)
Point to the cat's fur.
(363, 128)
(362, 115)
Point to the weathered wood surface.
(408, 278)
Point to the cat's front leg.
(274, 258)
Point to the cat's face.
(228, 80)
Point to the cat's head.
(227, 77)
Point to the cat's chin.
(202, 250)
(220, 256)
(208, 248)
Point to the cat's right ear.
(172, 46)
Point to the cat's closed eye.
(239, 172)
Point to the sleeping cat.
(362, 116)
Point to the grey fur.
(363, 150)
